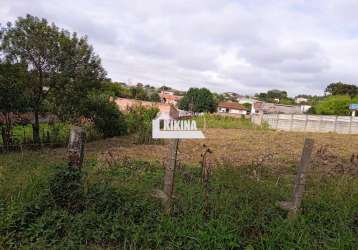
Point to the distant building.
(269, 108)
(299, 100)
(305, 108)
(231, 108)
(168, 97)
(244, 99)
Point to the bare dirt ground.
(333, 153)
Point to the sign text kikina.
(175, 129)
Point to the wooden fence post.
(205, 176)
(294, 206)
(169, 176)
(75, 148)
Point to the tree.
(115, 89)
(276, 94)
(154, 97)
(340, 88)
(198, 100)
(138, 93)
(271, 95)
(105, 114)
(334, 105)
(60, 65)
(12, 77)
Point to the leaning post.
(294, 206)
(169, 176)
(75, 149)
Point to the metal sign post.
(164, 127)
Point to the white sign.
(175, 129)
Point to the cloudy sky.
(244, 46)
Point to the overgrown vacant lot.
(240, 147)
(109, 205)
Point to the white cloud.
(245, 46)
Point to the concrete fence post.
(319, 124)
(350, 125)
(335, 124)
(277, 119)
(306, 121)
(294, 206)
(291, 122)
(75, 150)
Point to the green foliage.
(66, 188)
(334, 105)
(12, 97)
(340, 88)
(117, 210)
(105, 115)
(154, 97)
(220, 121)
(271, 95)
(56, 134)
(61, 67)
(248, 106)
(139, 121)
(116, 90)
(198, 100)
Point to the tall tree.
(59, 64)
(340, 88)
(198, 100)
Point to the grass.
(226, 122)
(52, 134)
(115, 209)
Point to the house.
(245, 99)
(269, 108)
(305, 108)
(168, 97)
(301, 100)
(231, 108)
(124, 105)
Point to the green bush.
(107, 119)
(334, 105)
(221, 121)
(139, 121)
(66, 188)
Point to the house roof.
(171, 97)
(231, 105)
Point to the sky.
(245, 46)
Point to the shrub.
(139, 120)
(334, 105)
(104, 113)
(66, 188)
